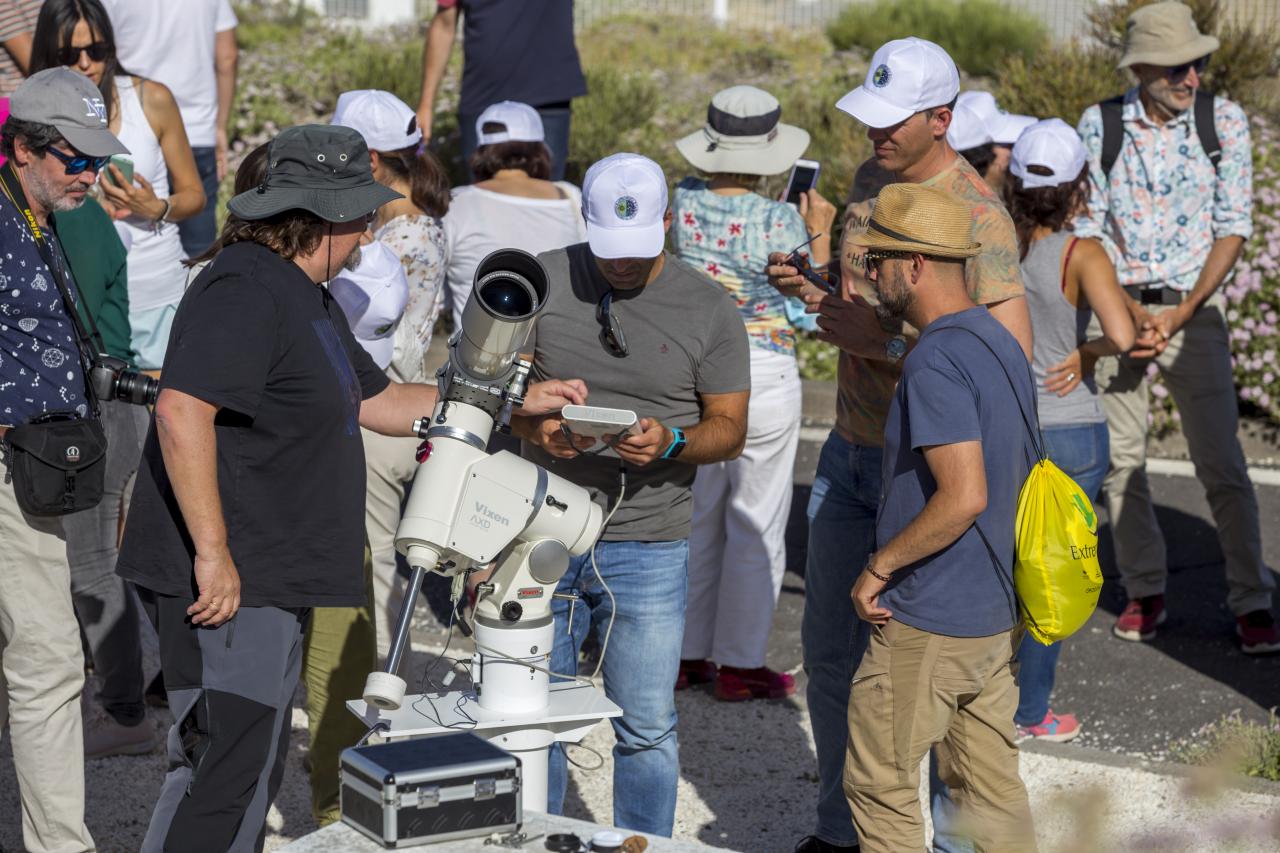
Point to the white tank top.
(156, 274)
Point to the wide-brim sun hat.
(915, 218)
(1165, 35)
(322, 169)
(744, 135)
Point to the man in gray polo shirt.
(649, 334)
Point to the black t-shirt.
(256, 337)
(518, 50)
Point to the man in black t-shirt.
(512, 50)
(249, 505)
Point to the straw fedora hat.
(743, 135)
(1164, 34)
(913, 218)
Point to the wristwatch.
(895, 348)
(677, 444)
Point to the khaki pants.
(41, 676)
(389, 468)
(1196, 368)
(913, 690)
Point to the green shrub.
(1252, 749)
(1060, 81)
(977, 33)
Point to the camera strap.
(88, 342)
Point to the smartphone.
(804, 177)
(124, 164)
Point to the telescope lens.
(507, 295)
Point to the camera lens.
(507, 294)
(137, 388)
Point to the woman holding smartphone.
(144, 115)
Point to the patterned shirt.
(729, 238)
(16, 17)
(866, 386)
(419, 241)
(1163, 205)
(40, 368)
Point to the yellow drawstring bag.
(1056, 574)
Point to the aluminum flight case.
(410, 792)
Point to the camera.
(113, 379)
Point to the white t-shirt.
(480, 221)
(172, 42)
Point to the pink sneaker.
(1056, 728)
(1258, 633)
(1140, 618)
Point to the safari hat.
(322, 169)
(1164, 34)
(744, 135)
(915, 218)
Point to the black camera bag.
(58, 463)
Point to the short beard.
(49, 195)
(894, 301)
(353, 259)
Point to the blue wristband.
(677, 444)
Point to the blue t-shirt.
(40, 369)
(954, 390)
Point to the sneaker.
(1258, 633)
(695, 672)
(103, 737)
(1140, 618)
(1055, 728)
(814, 844)
(737, 685)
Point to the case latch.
(423, 798)
(486, 789)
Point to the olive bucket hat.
(322, 169)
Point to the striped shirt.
(16, 17)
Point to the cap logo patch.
(95, 109)
(880, 78)
(625, 207)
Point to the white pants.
(389, 468)
(41, 676)
(737, 549)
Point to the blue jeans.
(1083, 453)
(199, 231)
(555, 128)
(649, 583)
(842, 534)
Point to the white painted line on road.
(1165, 467)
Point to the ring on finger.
(1070, 376)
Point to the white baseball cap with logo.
(1051, 146)
(1003, 127)
(520, 123)
(385, 121)
(373, 296)
(624, 201)
(906, 76)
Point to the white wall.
(381, 12)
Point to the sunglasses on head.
(1177, 72)
(77, 163)
(70, 54)
(610, 329)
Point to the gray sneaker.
(104, 737)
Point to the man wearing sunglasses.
(56, 139)
(650, 334)
(1171, 201)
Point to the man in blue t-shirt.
(938, 592)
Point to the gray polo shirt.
(684, 338)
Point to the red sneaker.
(1057, 728)
(737, 685)
(1258, 633)
(1140, 618)
(695, 672)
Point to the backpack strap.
(1112, 131)
(1205, 128)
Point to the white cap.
(624, 200)
(385, 121)
(1003, 127)
(373, 296)
(967, 130)
(1052, 144)
(906, 76)
(521, 123)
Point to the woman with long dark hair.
(1069, 281)
(143, 113)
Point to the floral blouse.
(1163, 205)
(419, 241)
(729, 238)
